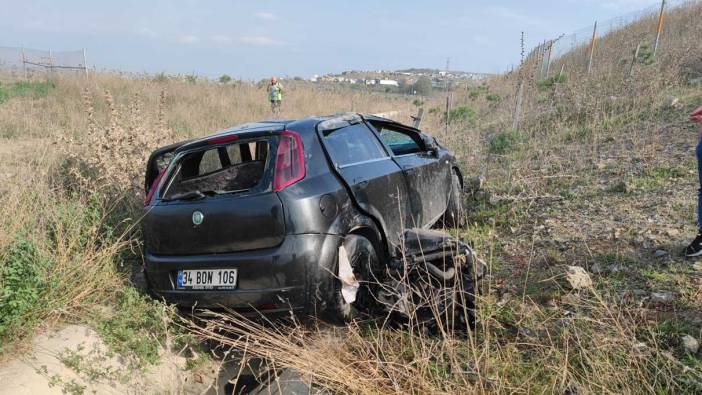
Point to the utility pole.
(659, 29)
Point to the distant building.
(388, 82)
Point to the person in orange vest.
(275, 95)
(695, 248)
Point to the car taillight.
(289, 161)
(154, 184)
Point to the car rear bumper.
(270, 280)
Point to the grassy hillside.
(600, 174)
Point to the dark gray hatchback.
(290, 215)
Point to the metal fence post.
(659, 28)
(592, 48)
(85, 63)
(24, 64)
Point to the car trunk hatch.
(216, 198)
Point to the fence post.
(659, 28)
(24, 64)
(85, 63)
(548, 59)
(633, 61)
(51, 62)
(518, 106)
(592, 48)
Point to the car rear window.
(220, 169)
(353, 144)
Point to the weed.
(134, 326)
(461, 114)
(506, 142)
(21, 285)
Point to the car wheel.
(362, 258)
(454, 217)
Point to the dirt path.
(75, 360)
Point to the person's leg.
(695, 248)
(698, 154)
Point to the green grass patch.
(25, 88)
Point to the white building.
(388, 82)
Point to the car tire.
(454, 217)
(363, 259)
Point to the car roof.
(303, 125)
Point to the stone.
(662, 297)
(671, 101)
(578, 278)
(660, 253)
(596, 268)
(690, 344)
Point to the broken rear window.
(236, 167)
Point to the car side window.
(400, 142)
(353, 144)
(210, 162)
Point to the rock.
(578, 278)
(690, 344)
(697, 266)
(526, 332)
(660, 253)
(671, 101)
(672, 232)
(662, 297)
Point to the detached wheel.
(454, 217)
(347, 301)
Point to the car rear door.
(375, 181)
(428, 172)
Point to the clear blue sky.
(254, 39)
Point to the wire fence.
(636, 37)
(27, 61)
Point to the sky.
(256, 39)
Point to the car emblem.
(198, 217)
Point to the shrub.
(494, 98)
(418, 103)
(461, 114)
(21, 284)
(506, 142)
(551, 81)
(225, 79)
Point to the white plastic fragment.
(349, 284)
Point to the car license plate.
(207, 279)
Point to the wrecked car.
(321, 215)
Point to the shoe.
(695, 248)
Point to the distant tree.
(423, 86)
(225, 79)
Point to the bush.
(418, 102)
(225, 79)
(506, 142)
(494, 98)
(461, 114)
(21, 285)
(551, 81)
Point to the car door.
(427, 171)
(375, 181)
